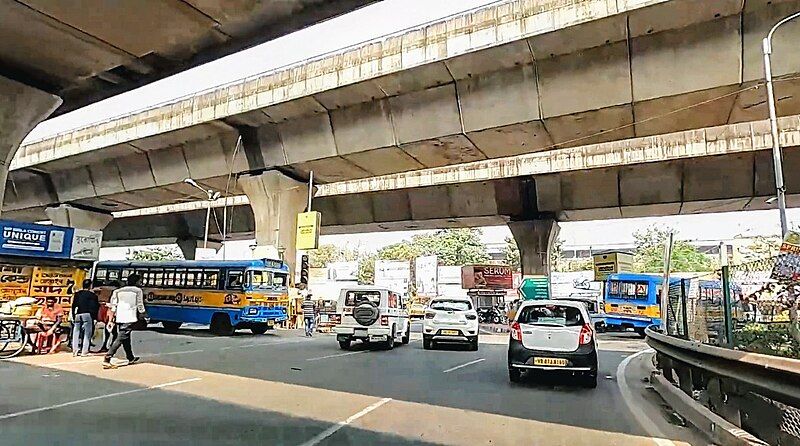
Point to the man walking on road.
(309, 310)
(85, 306)
(126, 305)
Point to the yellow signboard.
(308, 224)
(610, 263)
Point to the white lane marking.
(336, 356)
(463, 365)
(95, 398)
(644, 421)
(333, 429)
(181, 352)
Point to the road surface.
(284, 389)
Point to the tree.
(326, 254)
(451, 246)
(155, 254)
(366, 269)
(648, 255)
(511, 254)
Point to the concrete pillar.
(276, 200)
(21, 109)
(535, 239)
(67, 215)
(190, 246)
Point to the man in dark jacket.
(85, 306)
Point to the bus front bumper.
(263, 315)
(630, 321)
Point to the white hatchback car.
(372, 315)
(450, 320)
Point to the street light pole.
(211, 195)
(777, 157)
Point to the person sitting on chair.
(48, 322)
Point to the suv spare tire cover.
(365, 314)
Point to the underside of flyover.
(89, 50)
(674, 65)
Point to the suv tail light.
(586, 335)
(384, 320)
(430, 315)
(336, 318)
(472, 317)
(516, 331)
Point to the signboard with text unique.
(308, 224)
(31, 240)
(493, 277)
(427, 276)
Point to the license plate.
(557, 362)
(376, 338)
(451, 332)
(361, 333)
(627, 309)
(270, 323)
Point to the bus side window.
(100, 275)
(235, 279)
(210, 279)
(180, 278)
(169, 277)
(113, 275)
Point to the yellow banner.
(15, 281)
(308, 224)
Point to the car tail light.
(472, 317)
(586, 334)
(384, 320)
(516, 331)
(430, 315)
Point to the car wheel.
(389, 344)
(514, 375)
(407, 336)
(259, 329)
(473, 345)
(427, 344)
(344, 344)
(590, 380)
(221, 325)
(171, 326)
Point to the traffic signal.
(304, 269)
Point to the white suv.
(373, 315)
(450, 320)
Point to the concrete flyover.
(514, 77)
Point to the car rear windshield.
(451, 305)
(354, 298)
(561, 315)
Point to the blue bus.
(633, 300)
(226, 295)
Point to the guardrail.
(735, 393)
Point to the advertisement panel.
(86, 244)
(308, 224)
(343, 271)
(15, 281)
(393, 274)
(492, 277)
(427, 276)
(30, 240)
(787, 264)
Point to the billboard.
(393, 274)
(491, 277)
(427, 276)
(787, 264)
(31, 240)
(343, 271)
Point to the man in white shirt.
(126, 304)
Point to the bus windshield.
(262, 279)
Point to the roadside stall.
(37, 262)
(327, 315)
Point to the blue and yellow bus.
(226, 295)
(633, 300)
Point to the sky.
(381, 19)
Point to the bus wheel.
(221, 325)
(640, 332)
(259, 329)
(171, 326)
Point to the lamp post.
(211, 195)
(773, 121)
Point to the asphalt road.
(285, 389)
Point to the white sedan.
(450, 320)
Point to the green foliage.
(325, 254)
(649, 253)
(451, 246)
(511, 252)
(155, 254)
(769, 339)
(366, 269)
